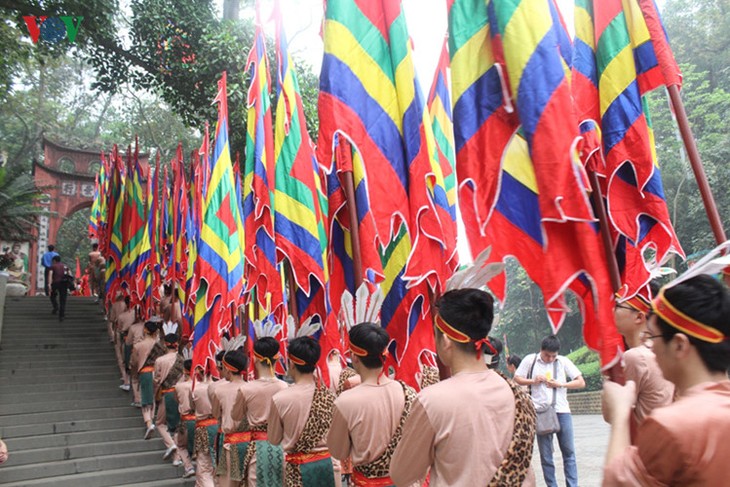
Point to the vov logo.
(52, 29)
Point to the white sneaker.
(148, 433)
(177, 463)
(124, 387)
(188, 473)
(169, 452)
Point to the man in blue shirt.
(47, 262)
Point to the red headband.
(460, 337)
(677, 319)
(296, 360)
(639, 303)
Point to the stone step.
(67, 439)
(108, 391)
(45, 455)
(60, 373)
(73, 415)
(162, 483)
(93, 472)
(61, 427)
(56, 343)
(21, 378)
(85, 387)
(82, 403)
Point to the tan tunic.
(163, 365)
(116, 308)
(201, 401)
(255, 399)
(135, 334)
(124, 320)
(184, 395)
(212, 397)
(140, 352)
(225, 406)
(364, 420)
(289, 412)
(460, 428)
(653, 390)
(683, 444)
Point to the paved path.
(591, 439)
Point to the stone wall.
(585, 402)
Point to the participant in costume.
(476, 426)
(206, 430)
(142, 365)
(185, 435)
(684, 443)
(652, 389)
(300, 417)
(263, 463)
(122, 319)
(167, 373)
(230, 462)
(133, 335)
(222, 379)
(367, 421)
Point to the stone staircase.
(62, 414)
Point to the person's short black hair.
(127, 300)
(550, 343)
(219, 357)
(267, 347)
(514, 360)
(151, 326)
(56, 258)
(498, 347)
(306, 349)
(471, 311)
(373, 339)
(706, 300)
(172, 339)
(187, 364)
(237, 360)
(51, 248)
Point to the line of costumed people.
(302, 286)
(244, 428)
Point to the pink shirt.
(289, 413)
(201, 401)
(460, 428)
(364, 420)
(183, 394)
(684, 444)
(653, 390)
(163, 365)
(255, 399)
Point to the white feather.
(476, 275)
(348, 310)
(224, 344)
(712, 263)
(376, 302)
(308, 328)
(361, 302)
(187, 353)
(236, 343)
(258, 328)
(291, 328)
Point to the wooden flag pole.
(600, 208)
(694, 158)
(349, 187)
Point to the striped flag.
(220, 257)
(258, 182)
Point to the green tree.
(18, 209)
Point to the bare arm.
(617, 403)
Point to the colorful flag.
(220, 257)
(258, 183)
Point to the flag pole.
(696, 163)
(600, 209)
(349, 187)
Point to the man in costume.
(121, 317)
(133, 335)
(167, 373)
(206, 429)
(549, 376)
(263, 463)
(652, 389)
(476, 427)
(368, 420)
(93, 270)
(142, 366)
(300, 417)
(185, 435)
(686, 442)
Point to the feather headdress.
(187, 353)
(477, 275)
(229, 345)
(364, 307)
(266, 328)
(169, 328)
(307, 328)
